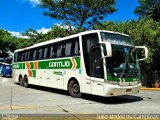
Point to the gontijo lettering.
(59, 64)
(16, 66)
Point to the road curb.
(156, 89)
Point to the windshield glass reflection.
(123, 62)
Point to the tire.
(74, 89)
(21, 81)
(25, 81)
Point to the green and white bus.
(97, 62)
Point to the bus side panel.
(15, 75)
(56, 78)
(71, 75)
(35, 77)
(86, 83)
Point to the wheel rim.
(75, 88)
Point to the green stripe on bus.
(34, 73)
(51, 64)
(31, 65)
(24, 66)
(78, 62)
(127, 79)
(111, 78)
(55, 64)
(17, 66)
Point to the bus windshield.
(123, 62)
(117, 39)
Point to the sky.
(16, 16)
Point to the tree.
(34, 37)
(149, 8)
(78, 13)
(31, 33)
(7, 42)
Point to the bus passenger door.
(88, 41)
(96, 70)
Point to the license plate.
(128, 90)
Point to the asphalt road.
(15, 99)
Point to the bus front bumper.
(115, 90)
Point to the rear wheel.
(74, 89)
(25, 81)
(21, 81)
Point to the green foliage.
(81, 14)
(57, 32)
(149, 8)
(35, 37)
(7, 42)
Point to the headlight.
(139, 81)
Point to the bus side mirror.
(142, 49)
(107, 49)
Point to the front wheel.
(74, 89)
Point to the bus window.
(40, 53)
(19, 57)
(15, 57)
(31, 55)
(63, 46)
(46, 52)
(34, 54)
(27, 55)
(68, 49)
(76, 48)
(53, 53)
(71, 47)
(59, 50)
(22, 57)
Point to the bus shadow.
(47, 89)
(113, 100)
(104, 100)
